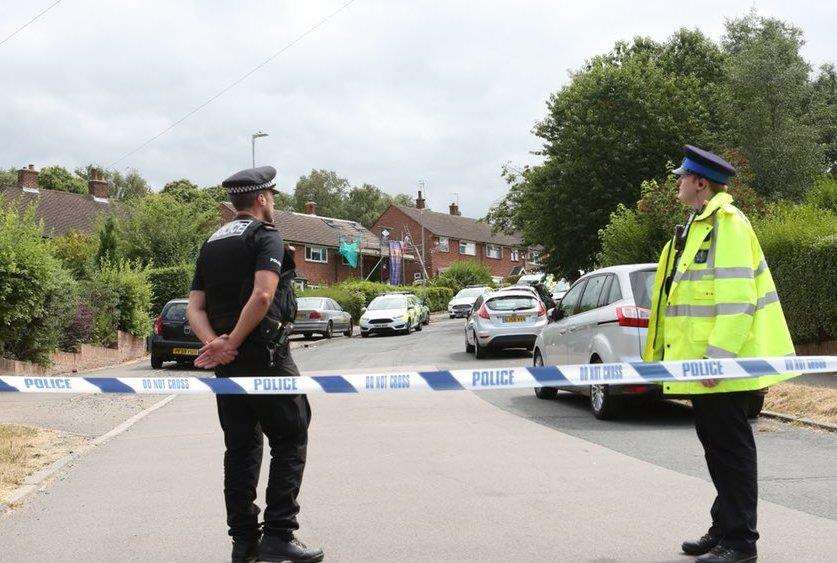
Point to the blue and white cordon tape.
(442, 380)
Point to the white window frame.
(489, 250)
(467, 245)
(321, 250)
(444, 244)
(515, 255)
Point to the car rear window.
(642, 284)
(309, 303)
(511, 303)
(175, 312)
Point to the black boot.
(245, 550)
(701, 546)
(274, 548)
(721, 554)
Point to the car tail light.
(633, 316)
(313, 315)
(483, 312)
(541, 309)
(635, 389)
(158, 326)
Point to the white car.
(504, 319)
(390, 314)
(603, 318)
(462, 302)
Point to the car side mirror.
(555, 314)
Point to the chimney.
(419, 201)
(98, 186)
(310, 208)
(226, 211)
(454, 209)
(27, 178)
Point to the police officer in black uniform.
(239, 306)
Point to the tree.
(325, 188)
(161, 230)
(825, 113)
(183, 190)
(770, 104)
(283, 201)
(120, 187)
(59, 178)
(404, 200)
(8, 177)
(108, 248)
(365, 204)
(620, 120)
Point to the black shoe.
(721, 554)
(245, 550)
(701, 546)
(274, 548)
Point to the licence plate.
(184, 351)
(515, 319)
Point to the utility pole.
(253, 138)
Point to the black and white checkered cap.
(251, 180)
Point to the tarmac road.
(497, 476)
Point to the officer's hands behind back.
(217, 352)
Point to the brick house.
(444, 238)
(61, 212)
(316, 240)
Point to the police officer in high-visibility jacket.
(714, 297)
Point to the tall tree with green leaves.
(108, 249)
(121, 187)
(825, 113)
(770, 105)
(59, 178)
(8, 177)
(326, 189)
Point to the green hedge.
(351, 301)
(37, 294)
(170, 282)
(800, 245)
(436, 297)
(121, 296)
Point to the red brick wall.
(399, 223)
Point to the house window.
(469, 248)
(444, 244)
(493, 251)
(534, 256)
(515, 255)
(316, 254)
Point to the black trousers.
(245, 419)
(724, 430)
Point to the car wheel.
(451, 316)
(350, 330)
(469, 348)
(604, 405)
(419, 326)
(156, 361)
(543, 392)
(364, 335)
(756, 404)
(308, 335)
(329, 331)
(479, 351)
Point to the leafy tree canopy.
(59, 178)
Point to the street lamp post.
(253, 138)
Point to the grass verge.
(803, 401)
(24, 450)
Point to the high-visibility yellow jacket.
(722, 302)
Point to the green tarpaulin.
(349, 251)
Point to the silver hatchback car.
(504, 319)
(603, 318)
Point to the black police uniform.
(225, 271)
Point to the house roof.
(61, 212)
(457, 226)
(324, 231)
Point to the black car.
(173, 339)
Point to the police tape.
(477, 379)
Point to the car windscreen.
(175, 312)
(469, 292)
(642, 284)
(309, 303)
(511, 303)
(387, 303)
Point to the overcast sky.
(386, 92)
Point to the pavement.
(432, 476)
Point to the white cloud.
(385, 92)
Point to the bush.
(464, 273)
(122, 296)
(351, 301)
(436, 298)
(80, 329)
(823, 193)
(170, 282)
(76, 252)
(369, 289)
(37, 294)
(800, 245)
